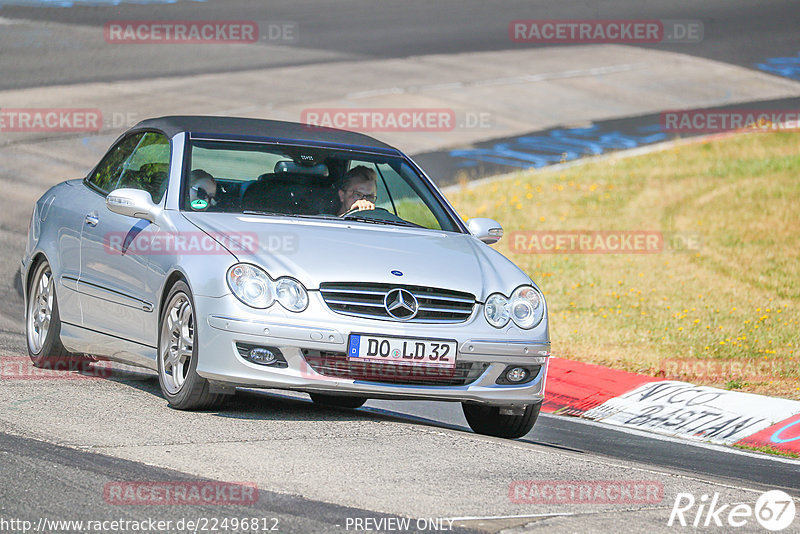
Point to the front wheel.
(338, 401)
(177, 355)
(489, 421)
(43, 324)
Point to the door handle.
(91, 219)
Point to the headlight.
(251, 285)
(255, 288)
(527, 308)
(497, 310)
(291, 294)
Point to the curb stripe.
(783, 436)
(574, 388)
(677, 409)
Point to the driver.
(202, 190)
(358, 190)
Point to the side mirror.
(487, 230)
(133, 203)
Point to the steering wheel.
(357, 210)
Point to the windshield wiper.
(359, 218)
(297, 215)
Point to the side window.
(106, 175)
(382, 195)
(148, 167)
(402, 199)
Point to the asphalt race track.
(738, 32)
(62, 442)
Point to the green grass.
(767, 450)
(733, 301)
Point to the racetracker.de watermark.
(602, 242)
(586, 492)
(335, 369)
(605, 31)
(385, 119)
(709, 369)
(24, 120)
(199, 31)
(198, 243)
(22, 368)
(180, 493)
(724, 120)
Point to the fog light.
(271, 356)
(262, 356)
(516, 374)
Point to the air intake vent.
(336, 365)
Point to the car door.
(62, 217)
(116, 281)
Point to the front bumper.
(224, 322)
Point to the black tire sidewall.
(487, 420)
(193, 380)
(52, 350)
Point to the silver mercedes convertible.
(228, 252)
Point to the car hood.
(316, 251)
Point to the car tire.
(489, 421)
(43, 323)
(338, 401)
(180, 384)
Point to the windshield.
(296, 181)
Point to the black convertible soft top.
(295, 131)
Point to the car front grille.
(336, 365)
(360, 299)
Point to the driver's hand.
(362, 205)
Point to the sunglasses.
(361, 196)
(202, 194)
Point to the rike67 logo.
(773, 510)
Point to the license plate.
(402, 351)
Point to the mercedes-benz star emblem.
(401, 304)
